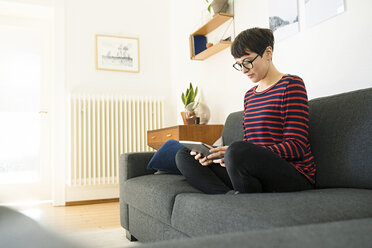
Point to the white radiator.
(102, 128)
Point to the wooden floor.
(93, 226)
(74, 218)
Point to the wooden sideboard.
(207, 134)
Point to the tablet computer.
(198, 147)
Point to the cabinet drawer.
(161, 136)
(170, 134)
(154, 137)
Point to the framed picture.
(117, 53)
(283, 18)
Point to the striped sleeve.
(295, 113)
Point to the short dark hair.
(253, 39)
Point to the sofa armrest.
(134, 164)
(131, 165)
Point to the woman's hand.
(218, 152)
(202, 160)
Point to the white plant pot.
(220, 6)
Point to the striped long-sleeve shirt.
(278, 119)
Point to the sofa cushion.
(351, 233)
(233, 129)
(146, 228)
(165, 158)
(155, 194)
(201, 214)
(340, 138)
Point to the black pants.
(249, 169)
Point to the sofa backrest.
(341, 139)
(233, 129)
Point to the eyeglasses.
(248, 64)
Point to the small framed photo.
(283, 18)
(117, 53)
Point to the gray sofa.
(157, 207)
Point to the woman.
(275, 154)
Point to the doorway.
(25, 78)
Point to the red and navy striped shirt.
(278, 119)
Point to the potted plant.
(218, 6)
(188, 97)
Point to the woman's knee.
(235, 150)
(237, 153)
(181, 157)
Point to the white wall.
(219, 85)
(146, 20)
(332, 57)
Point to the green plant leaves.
(183, 98)
(189, 96)
(209, 6)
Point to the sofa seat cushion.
(201, 214)
(155, 194)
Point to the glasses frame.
(245, 62)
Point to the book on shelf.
(200, 42)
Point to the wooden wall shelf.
(210, 26)
(212, 50)
(214, 23)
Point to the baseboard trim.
(88, 202)
(91, 192)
